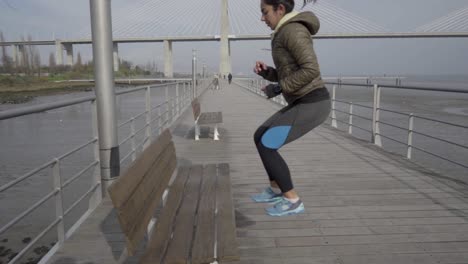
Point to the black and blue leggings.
(287, 125)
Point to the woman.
(298, 78)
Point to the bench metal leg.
(197, 132)
(216, 134)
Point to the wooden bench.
(196, 222)
(206, 118)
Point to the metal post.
(159, 120)
(225, 49)
(166, 89)
(58, 202)
(350, 127)
(177, 100)
(132, 136)
(376, 139)
(333, 114)
(410, 136)
(148, 117)
(101, 29)
(194, 74)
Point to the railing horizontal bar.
(131, 119)
(125, 123)
(76, 176)
(140, 114)
(392, 111)
(155, 119)
(443, 140)
(28, 211)
(34, 241)
(434, 89)
(440, 157)
(159, 105)
(350, 84)
(362, 117)
(141, 143)
(344, 112)
(139, 88)
(77, 149)
(27, 175)
(361, 128)
(81, 199)
(141, 129)
(392, 125)
(392, 139)
(126, 157)
(439, 121)
(126, 139)
(43, 107)
(360, 105)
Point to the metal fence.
(371, 122)
(155, 118)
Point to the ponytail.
(308, 1)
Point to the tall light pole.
(101, 28)
(194, 72)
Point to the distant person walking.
(216, 82)
(298, 79)
(230, 78)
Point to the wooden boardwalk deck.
(362, 205)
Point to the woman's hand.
(260, 66)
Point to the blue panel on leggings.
(275, 137)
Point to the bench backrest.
(138, 192)
(196, 108)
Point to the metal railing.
(375, 120)
(156, 118)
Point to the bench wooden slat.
(203, 244)
(163, 229)
(181, 243)
(119, 190)
(227, 249)
(210, 118)
(138, 201)
(137, 233)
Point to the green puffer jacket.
(297, 70)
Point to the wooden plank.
(181, 243)
(227, 247)
(203, 243)
(163, 229)
(126, 184)
(158, 176)
(136, 234)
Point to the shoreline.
(20, 95)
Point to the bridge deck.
(362, 205)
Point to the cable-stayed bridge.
(226, 21)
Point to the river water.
(29, 141)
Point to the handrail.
(421, 88)
(174, 106)
(254, 85)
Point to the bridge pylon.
(225, 49)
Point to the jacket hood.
(308, 19)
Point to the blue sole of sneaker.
(267, 201)
(297, 211)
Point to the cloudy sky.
(46, 19)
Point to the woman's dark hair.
(288, 4)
